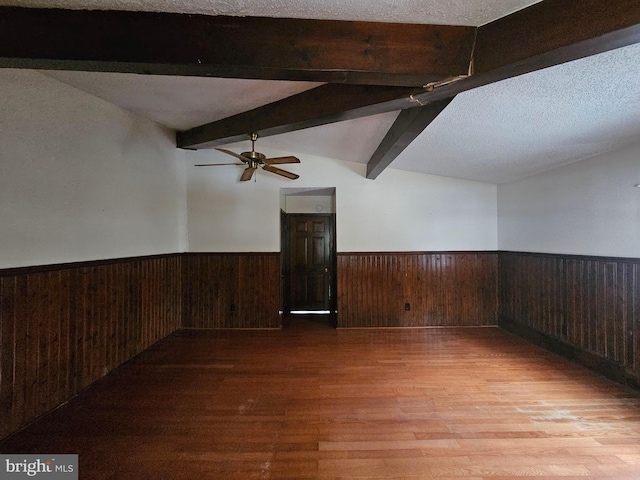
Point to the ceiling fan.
(254, 160)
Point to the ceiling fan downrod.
(253, 155)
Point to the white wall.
(589, 208)
(309, 204)
(80, 179)
(399, 211)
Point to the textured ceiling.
(528, 124)
(507, 130)
(448, 12)
(497, 133)
(181, 102)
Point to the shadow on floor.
(310, 322)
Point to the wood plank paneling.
(63, 327)
(587, 303)
(441, 288)
(234, 290)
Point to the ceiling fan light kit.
(254, 160)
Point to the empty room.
(320, 239)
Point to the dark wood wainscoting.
(587, 308)
(65, 326)
(234, 290)
(441, 288)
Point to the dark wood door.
(311, 259)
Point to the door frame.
(285, 261)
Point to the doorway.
(309, 257)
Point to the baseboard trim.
(420, 327)
(231, 329)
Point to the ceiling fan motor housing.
(257, 156)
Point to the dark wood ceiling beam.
(409, 124)
(319, 106)
(371, 53)
(555, 31)
(560, 31)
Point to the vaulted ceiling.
(487, 90)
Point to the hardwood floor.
(313, 402)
